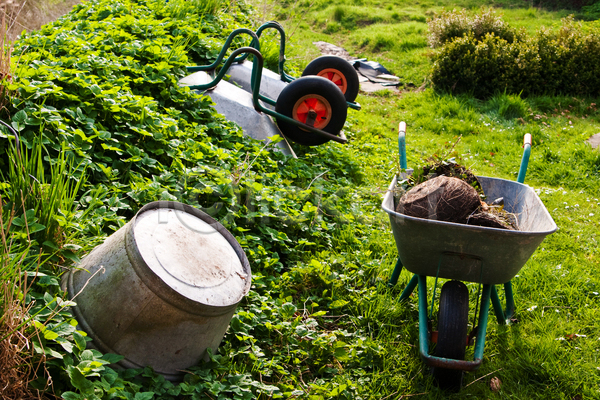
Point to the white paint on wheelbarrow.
(236, 105)
(271, 84)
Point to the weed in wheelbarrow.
(447, 191)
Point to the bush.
(562, 62)
(591, 12)
(456, 24)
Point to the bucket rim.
(157, 285)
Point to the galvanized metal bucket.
(472, 253)
(162, 289)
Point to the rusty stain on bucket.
(172, 279)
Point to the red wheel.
(313, 101)
(337, 70)
(336, 77)
(312, 110)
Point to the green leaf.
(48, 298)
(50, 244)
(78, 380)
(87, 355)
(112, 358)
(144, 396)
(65, 344)
(72, 396)
(35, 227)
(340, 351)
(338, 303)
(18, 120)
(79, 340)
(50, 335)
(95, 89)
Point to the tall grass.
(43, 202)
(6, 49)
(17, 364)
(37, 204)
(179, 9)
(28, 15)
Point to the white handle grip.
(402, 127)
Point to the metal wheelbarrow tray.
(488, 256)
(472, 253)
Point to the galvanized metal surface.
(271, 84)
(162, 289)
(236, 105)
(472, 253)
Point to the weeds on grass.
(179, 10)
(47, 201)
(507, 106)
(6, 49)
(17, 365)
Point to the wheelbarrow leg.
(510, 301)
(483, 320)
(396, 274)
(412, 284)
(497, 307)
(410, 287)
(503, 315)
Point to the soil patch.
(447, 191)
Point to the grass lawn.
(552, 351)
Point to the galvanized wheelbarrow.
(488, 256)
(310, 110)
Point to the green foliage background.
(98, 88)
(483, 59)
(98, 100)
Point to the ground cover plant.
(97, 99)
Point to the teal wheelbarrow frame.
(318, 67)
(487, 256)
(295, 120)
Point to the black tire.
(320, 93)
(452, 332)
(336, 69)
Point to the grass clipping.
(447, 191)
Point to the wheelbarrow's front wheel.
(452, 332)
(313, 101)
(337, 70)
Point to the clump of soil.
(442, 198)
(447, 191)
(452, 169)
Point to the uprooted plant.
(444, 190)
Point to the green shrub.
(562, 62)
(456, 24)
(591, 12)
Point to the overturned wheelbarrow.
(333, 68)
(310, 110)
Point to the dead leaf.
(574, 336)
(495, 384)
